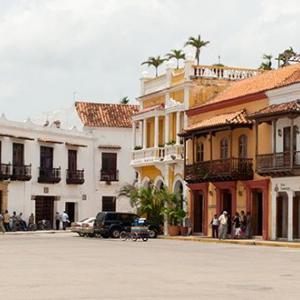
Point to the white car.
(83, 227)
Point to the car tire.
(152, 233)
(115, 233)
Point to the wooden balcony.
(21, 173)
(52, 175)
(5, 171)
(278, 164)
(109, 175)
(220, 170)
(75, 177)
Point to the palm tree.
(197, 43)
(177, 54)
(285, 57)
(124, 100)
(267, 62)
(155, 62)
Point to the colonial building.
(158, 151)
(222, 153)
(45, 169)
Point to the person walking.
(243, 219)
(2, 229)
(6, 220)
(14, 220)
(223, 219)
(23, 225)
(236, 226)
(248, 232)
(65, 220)
(57, 220)
(31, 222)
(215, 226)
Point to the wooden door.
(72, 160)
(108, 203)
(109, 161)
(46, 159)
(198, 213)
(70, 210)
(18, 154)
(44, 207)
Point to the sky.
(55, 51)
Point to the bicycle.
(134, 236)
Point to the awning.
(110, 147)
(50, 141)
(75, 145)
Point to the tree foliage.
(197, 43)
(154, 62)
(176, 54)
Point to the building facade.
(45, 169)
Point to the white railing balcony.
(153, 155)
(227, 73)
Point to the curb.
(236, 242)
(37, 232)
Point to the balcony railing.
(21, 173)
(227, 73)
(5, 171)
(153, 155)
(278, 163)
(75, 176)
(220, 170)
(49, 175)
(109, 175)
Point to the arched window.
(243, 146)
(224, 148)
(199, 151)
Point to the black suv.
(110, 224)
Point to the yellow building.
(221, 146)
(158, 151)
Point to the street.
(65, 266)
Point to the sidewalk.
(35, 232)
(237, 242)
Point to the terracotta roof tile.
(151, 108)
(105, 115)
(277, 109)
(239, 117)
(260, 83)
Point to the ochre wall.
(154, 101)
(150, 133)
(150, 171)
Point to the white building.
(45, 169)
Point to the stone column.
(290, 215)
(273, 213)
(133, 134)
(177, 127)
(156, 131)
(141, 133)
(167, 124)
(144, 133)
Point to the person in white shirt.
(65, 219)
(215, 226)
(223, 219)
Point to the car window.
(111, 217)
(84, 220)
(100, 217)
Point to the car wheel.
(152, 234)
(115, 233)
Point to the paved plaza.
(65, 266)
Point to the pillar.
(133, 134)
(290, 215)
(156, 131)
(141, 133)
(177, 127)
(144, 133)
(274, 214)
(167, 125)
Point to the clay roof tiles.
(260, 83)
(234, 118)
(277, 109)
(105, 115)
(151, 108)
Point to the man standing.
(223, 219)
(6, 219)
(2, 229)
(65, 219)
(57, 220)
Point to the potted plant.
(138, 147)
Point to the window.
(18, 154)
(108, 203)
(109, 167)
(199, 151)
(224, 148)
(243, 146)
(46, 161)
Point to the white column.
(166, 181)
(177, 127)
(290, 215)
(156, 131)
(167, 124)
(141, 133)
(274, 212)
(133, 134)
(144, 133)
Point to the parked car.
(77, 226)
(110, 224)
(88, 227)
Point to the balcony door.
(46, 160)
(287, 144)
(18, 154)
(72, 160)
(109, 166)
